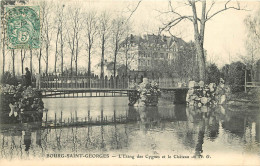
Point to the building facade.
(150, 52)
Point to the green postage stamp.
(23, 27)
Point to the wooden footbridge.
(59, 87)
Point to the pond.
(165, 129)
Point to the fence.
(78, 82)
(63, 82)
(251, 85)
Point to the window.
(155, 54)
(162, 55)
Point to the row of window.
(143, 62)
(143, 54)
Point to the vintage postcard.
(130, 82)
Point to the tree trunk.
(115, 56)
(13, 58)
(61, 50)
(71, 63)
(199, 37)
(56, 53)
(76, 58)
(22, 59)
(102, 56)
(47, 59)
(126, 58)
(3, 52)
(31, 60)
(39, 58)
(89, 62)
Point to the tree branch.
(212, 4)
(132, 12)
(226, 8)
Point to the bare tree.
(91, 31)
(59, 37)
(74, 36)
(46, 25)
(103, 32)
(117, 34)
(128, 56)
(199, 20)
(252, 42)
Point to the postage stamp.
(23, 27)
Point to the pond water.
(165, 129)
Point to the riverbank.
(250, 98)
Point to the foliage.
(207, 95)
(24, 104)
(234, 75)
(146, 92)
(212, 74)
(252, 42)
(7, 78)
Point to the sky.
(225, 33)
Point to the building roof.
(154, 40)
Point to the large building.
(145, 53)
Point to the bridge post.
(180, 96)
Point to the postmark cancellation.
(22, 27)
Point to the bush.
(234, 75)
(7, 78)
(212, 74)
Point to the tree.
(252, 42)
(73, 36)
(104, 34)
(60, 37)
(234, 75)
(46, 30)
(91, 31)
(199, 21)
(212, 74)
(117, 35)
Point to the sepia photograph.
(129, 82)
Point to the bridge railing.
(78, 82)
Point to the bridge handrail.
(55, 82)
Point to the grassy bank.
(250, 98)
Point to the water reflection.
(151, 130)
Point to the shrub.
(234, 75)
(212, 74)
(7, 78)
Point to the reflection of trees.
(57, 137)
(88, 142)
(235, 123)
(115, 139)
(191, 127)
